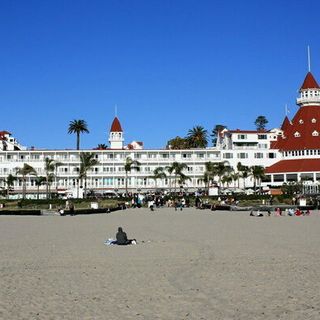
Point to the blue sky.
(169, 65)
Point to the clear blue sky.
(169, 65)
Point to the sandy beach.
(194, 264)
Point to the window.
(315, 133)
(301, 121)
(262, 136)
(227, 155)
(297, 134)
(292, 177)
(200, 155)
(278, 178)
(242, 136)
(271, 155)
(262, 145)
(242, 155)
(313, 120)
(306, 176)
(258, 155)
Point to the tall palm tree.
(24, 172)
(10, 182)
(244, 172)
(209, 174)
(78, 127)
(129, 165)
(197, 137)
(176, 168)
(158, 173)
(221, 168)
(39, 181)
(227, 178)
(87, 161)
(50, 167)
(257, 174)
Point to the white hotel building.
(278, 150)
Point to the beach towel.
(110, 242)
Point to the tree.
(197, 137)
(244, 173)
(257, 173)
(261, 123)
(129, 165)
(24, 172)
(215, 132)
(209, 174)
(50, 166)
(78, 127)
(158, 173)
(87, 161)
(10, 182)
(220, 169)
(177, 143)
(102, 146)
(176, 168)
(39, 181)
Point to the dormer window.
(301, 121)
(313, 120)
(297, 134)
(315, 133)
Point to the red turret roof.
(309, 82)
(116, 126)
(285, 124)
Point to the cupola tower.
(116, 135)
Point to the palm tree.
(176, 168)
(215, 132)
(87, 161)
(10, 182)
(77, 127)
(39, 181)
(50, 166)
(102, 146)
(129, 165)
(209, 174)
(197, 137)
(257, 174)
(158, 173)
(220, 169)
(235, 177)
(24, 172)
(227, 178)
(244, 172)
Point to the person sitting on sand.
(122, 239)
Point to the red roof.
(309, 82)
(116, 126)
(296, 165)
(285, 124)
(303, 132)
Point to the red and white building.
(299, 143)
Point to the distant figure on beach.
(122, 239)
(71, 208)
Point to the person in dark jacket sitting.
(122, 239)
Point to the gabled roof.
(303, 132)
(296, 165)
(309, 82)
(116, 126)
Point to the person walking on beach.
(122, 239)
(71, 208)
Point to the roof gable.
(309, 82)
(116, 126)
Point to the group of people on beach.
(278, 212)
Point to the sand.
(187, 265)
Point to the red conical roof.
(116, 126)
(309, 82)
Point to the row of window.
(302, 153)
(245, 155)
